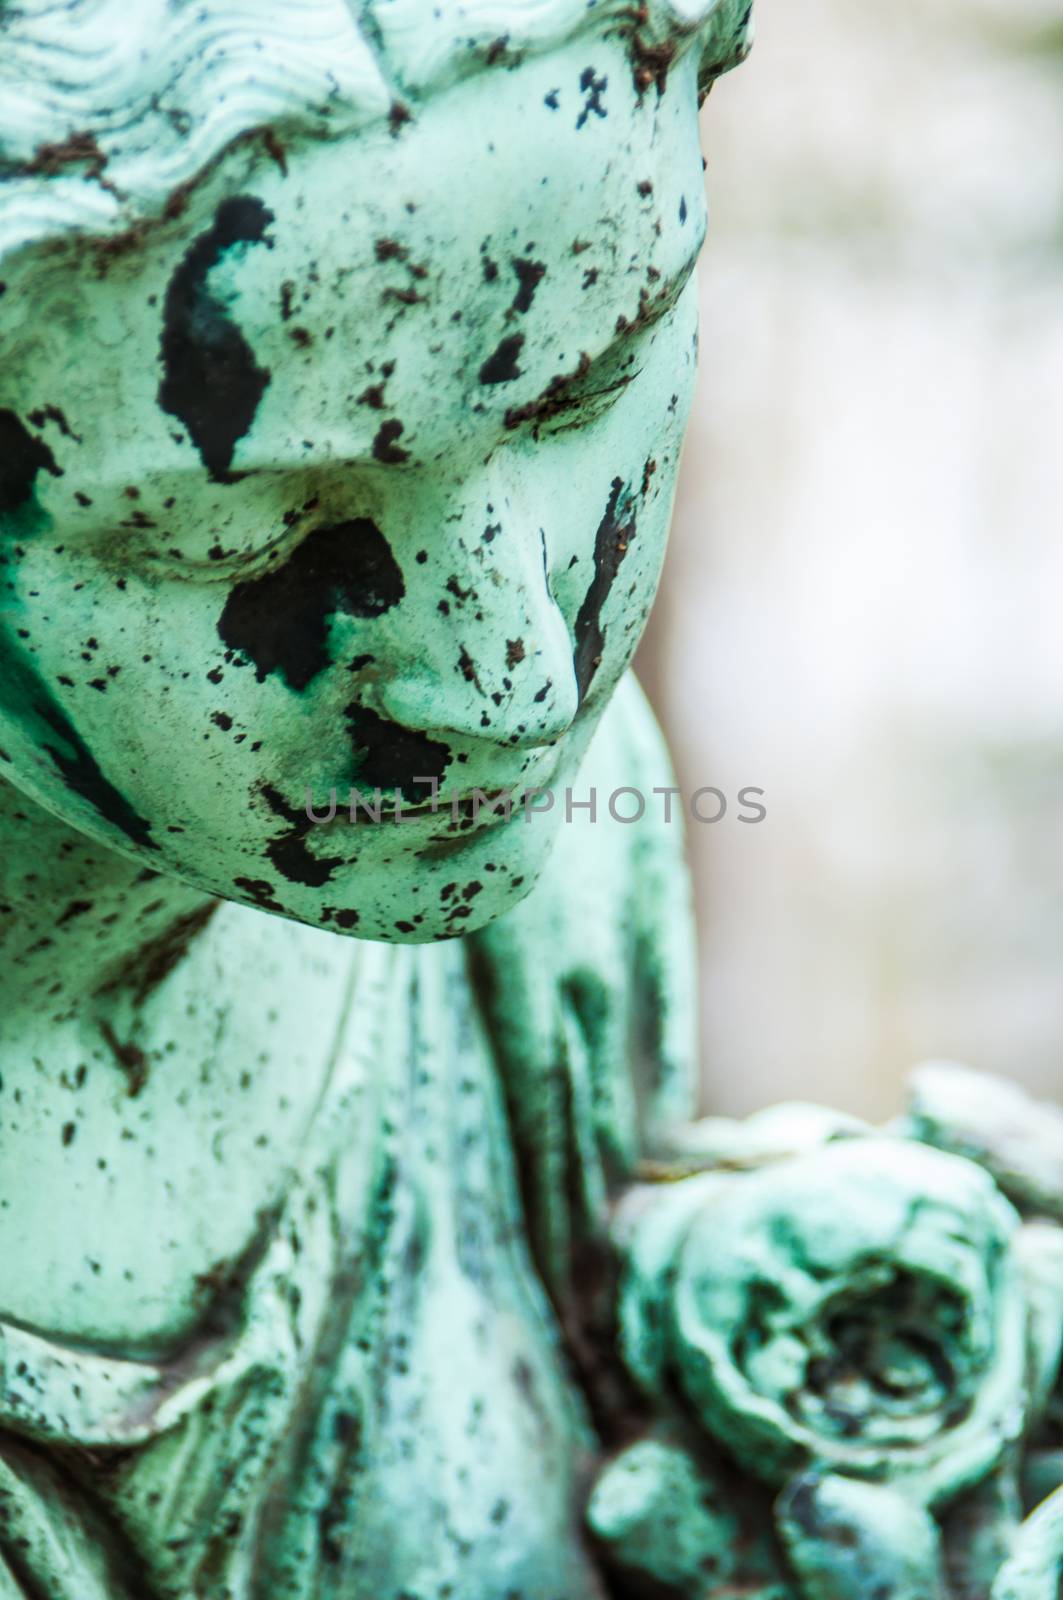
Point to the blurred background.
(862, 611)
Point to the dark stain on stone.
(346, 917)
(389, 756)
(501, 367)
(280, 621)
(467, 668)
(592, 88)
(385, 447)
(49, 413)
(390, 250)
(211, 382)
(514, 652)
(260, 891)
(275, 150)
(76, 908)
(289, 852)
(615, 532)
(83, 775)
(21, 458)
(26, 697)
(130, 1057)
(651, 61)
(78, 149)
(157, 957)
(529, 276)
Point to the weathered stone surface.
(866, 1326)
(346, 364)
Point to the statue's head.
(346, 356)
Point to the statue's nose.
(495, 659)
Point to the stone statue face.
(355, 470)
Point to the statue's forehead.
(446, 275)
(500, 246)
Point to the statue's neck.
(76, 917)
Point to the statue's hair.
(109, 107)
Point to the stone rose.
(858, 1309)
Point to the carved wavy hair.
(108, 107)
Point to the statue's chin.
(406, 885)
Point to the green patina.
(354, 1237)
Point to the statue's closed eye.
(578, 398)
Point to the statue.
(355, 1240)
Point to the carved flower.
(858, 1309)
